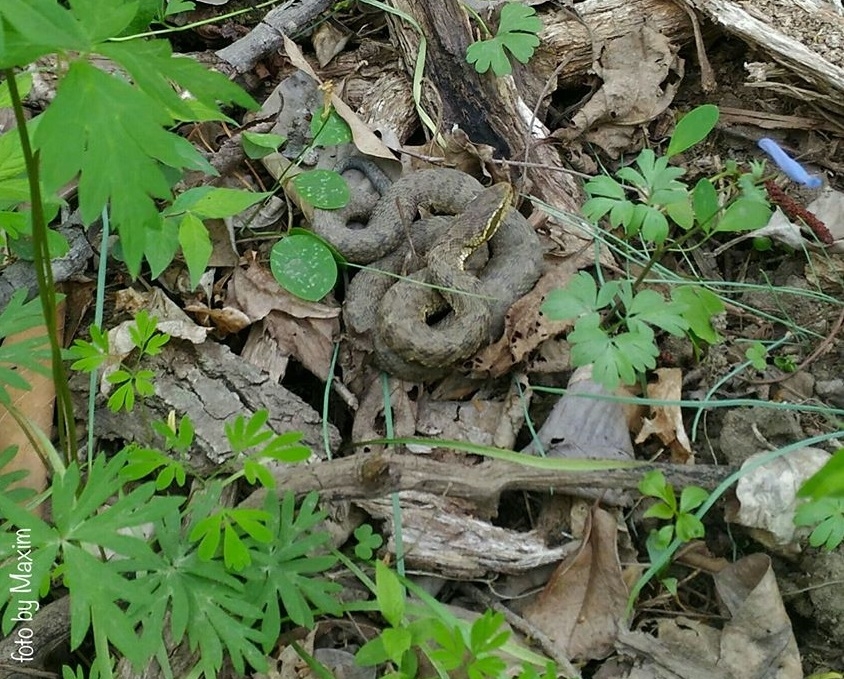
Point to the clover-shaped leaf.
(517, 31)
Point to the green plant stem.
(196, 24)
(44, 275)
(326, 438)
(701, 405)
(477, 17)
(99, 306)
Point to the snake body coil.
(407, 342)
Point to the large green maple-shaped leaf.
(117, 147)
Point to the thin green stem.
(195, 24)
(44, 275)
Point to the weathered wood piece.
(374, 475)
(211, 385)
(267, 37)
(805, 36)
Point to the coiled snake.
(409, 341)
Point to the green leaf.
(578, 298)
(116, 146)
(614, 359)
(681, 212)
(235, 554)
(219, 203)
(32, 353)
(206, 603)
(517, 18)
(814, 511)
(253, 522)
(757, 354)
(691, 498)
(689, 527)
(595, 208)
(653, 484)
(745, 214)
(621, 213)
(606, 186)
(649, 306)
(517, 29)
(488, 54)
(659, 510)
(282, 448)
(254, 472)
(701, 306)
(705, 204)
(304, 266)
(330, 129)
(324, 189)
(692, 128)
(245, 433)
(103, 19)
(828, 481)
(658, 541)
(829, 533)
(287, 568)
(372, 653)
(161, 247)
(154, 68)
(44, 24)
(178, 6)
(638, 349)
(24, 83)
(654, 227)
(368, 542)
(257, 145)
(196, 246)
(633, 176)
(396, 641)
(390, 594)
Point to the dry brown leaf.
(641, 73)
(666, 422)
(525, 328)
(300, 329)
(369, 418)
(756, 641)
(328, 42)
(170, 318)
(36, 405)
(758, 635)
(582, 607)
(227, 320)
(255, 292)
(223, 252)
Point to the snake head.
(484, 214)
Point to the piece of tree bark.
(211, 385)
(267, 37)
(441, 535)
